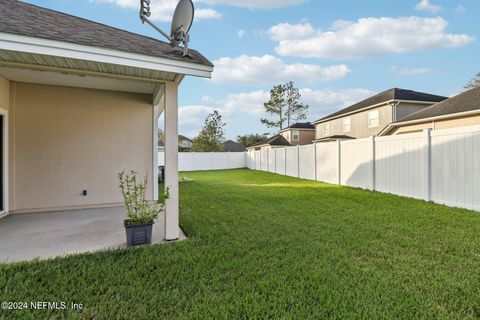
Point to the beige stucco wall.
(4, 93)
(64, 140)
(359, 124)
(438, 124)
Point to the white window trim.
(349, 124)
(326, 129)
(376, 118)
(298, 135)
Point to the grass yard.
(268, 246)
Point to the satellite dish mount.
(181, 23)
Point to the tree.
(212, 135)
(251, 139)
(475, 82)
(286, 105)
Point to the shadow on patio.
(53, 234)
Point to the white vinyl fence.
(202, 161)
(441, 166)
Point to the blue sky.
(338, 52)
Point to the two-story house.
(369, 117)
(296, 134)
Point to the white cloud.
(404, 72)
(426, 5)
(191, 118)
(367, 37)
(162, 10)
(241, 34)
(269, 69)
(256, 4)
(461, 9)
(201, 14)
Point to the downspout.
(394, 110)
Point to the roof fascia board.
(375, 106)
(35, 45)
(442, 117)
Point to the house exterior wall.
(64, 140)
(4, 93)
(457, 122)
(306, 136)
(404, 109)
(359, 124)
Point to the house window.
(373, 119)
(326, 129)
(347, 125)
(296, 135)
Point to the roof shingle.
(388, 95)
(25, 19)
(464, 102)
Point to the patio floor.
(52, 234)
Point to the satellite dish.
(181, 23)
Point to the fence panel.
(357, 163)
(237, 160)
(456, 167)
(271, 160)
(220, 161)
(292, 161)
(307, 162)
(264, 160)
(400, 165)
(280, 161)
(185, 161)
(327, 162)
(258, 160)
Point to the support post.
(298, 161)
(428, 163)
(339, 162)
(372, 187)
(172, 223)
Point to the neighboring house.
(232, 146)
(459, 111)
(369, 117)
(297, 134)
(184, 142)
(79, 103)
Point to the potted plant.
(141, 212)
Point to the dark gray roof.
(388, 95)
(335, 137)
(306, 125)
(464, 102)
(277, 140)
(232, 146)
(29, 20)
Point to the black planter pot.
(138, 234)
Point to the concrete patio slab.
(53, 234)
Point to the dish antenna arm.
(178, 36)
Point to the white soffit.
(79, 81)
(58, 49)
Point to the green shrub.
(139, 209)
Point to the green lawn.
(267, 246)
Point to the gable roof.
(29, 20)
(464, 102)
(232, 146)
(385, 96)
(305, 125)
(277, 140)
